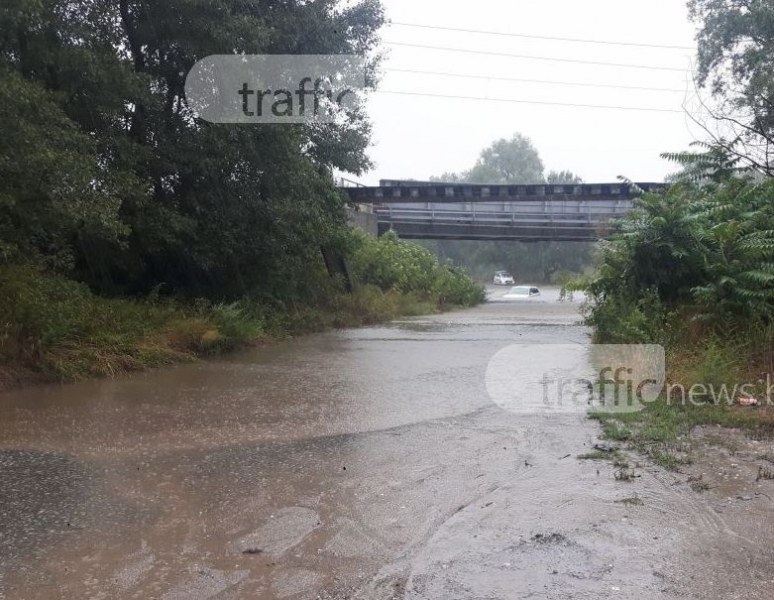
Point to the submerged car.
(503, 278)
(522, 291)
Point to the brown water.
(365, 463)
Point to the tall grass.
(57, 329)
(61, 330)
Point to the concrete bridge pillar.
(364, 219)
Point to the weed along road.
(367, 463)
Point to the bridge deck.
(427, 210)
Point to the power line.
(532, 57)
(516, 101)
(543, 37)
(520, 80)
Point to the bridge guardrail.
(392, 214)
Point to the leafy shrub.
(395, 265)
(710, 248)
(392, 264)
(618, 320)
(693, 269)
(454, 287)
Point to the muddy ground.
(369, 464)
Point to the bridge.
(430, 210)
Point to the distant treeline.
(517, 161)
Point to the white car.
(503, 278)
(522, 291)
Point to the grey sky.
(416, 137)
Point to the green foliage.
(618, 320)
(513, 160)
(392, 264)
(692, 270)
(563, 178)
(106, 176)
(111, 187)
(616, 432)
(738, 245)
(59, 327)
(61, 330)
(369, 305)
(656, 248)
(453, 287)
(236, 325)
(693, 267)
(389, 263)
(508, 161)
(51, 189)
(718, 364)
(736, 62)
(713, 165)
(734, 34)
(708, 248)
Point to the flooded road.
(365, 463)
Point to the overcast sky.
(418, 136)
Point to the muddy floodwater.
(367, 463)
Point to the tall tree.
(208, 209)
(512, 160)
(736, 63)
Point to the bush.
(454, 287)
(707, 248)
(392, 264)
(693, 269)
(395, 265)
(619, 320)
(59, 328)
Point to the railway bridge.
(461, 211)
